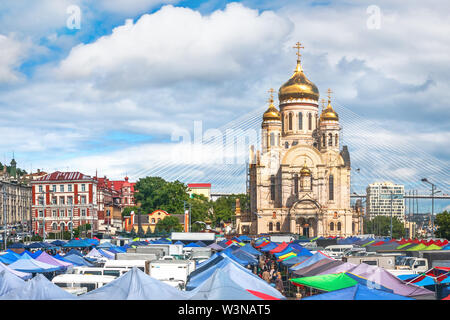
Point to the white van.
(127, 264)
(98, 271)
(70, 282)
(337, 251)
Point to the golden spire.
(298, 46)
(305, 170)
(329, 95)
(272, 112)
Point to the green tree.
(127, 211)
(156, 193)
(381, 226)
(201, 209)
(225, 207)
(168, 224)
(443, 225)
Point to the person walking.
(266, 276)
(279, 283)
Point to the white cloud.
(175, 44)
(12, 53)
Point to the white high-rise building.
(379, 198)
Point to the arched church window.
(278, 226)
(332, 226)
(353, 227)
(295, 183)
(309, 121)
(338, 226)
(300, 121)
(317, 120)
(282, 124)
(272, 139)
(290, 121)
(272, 188)
(270, 226)
(331, 188)
(336, 140)
(330, 139)
(323, 140)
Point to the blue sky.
(110, 95)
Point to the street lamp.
(433, 192)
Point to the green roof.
(327, 282)
(366, 244)
(433, 247)
(420, 246)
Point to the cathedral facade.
(299, 182)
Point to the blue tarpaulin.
(9, 257)
(269, 247)
(200, 243)
(192, 245)
(75, 259)
(28, 264)
(248, 248)
(78, 244)
(245, 238)
(358, 292)
(311, 260)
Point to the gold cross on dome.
(271, 91)
(298, 46)
(329, 94)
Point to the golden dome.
(272, 113)
(305, 170)
(298, 87)
(328, 113)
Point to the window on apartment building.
(53, 200)
(41, 200)
(62, 200)
(83, 187)
(41, 213)
(69, 212)
(54, 226)
(61, 188)
(41, 189)
(83, 199)
(83, 212)
(54, 188)
(69, 188)
(54, 213)
(69, 200)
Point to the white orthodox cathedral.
(300, 180)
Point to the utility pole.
(4, 215)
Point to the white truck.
(409, 265)
(172, 272)
(193, 236)
(282, 238)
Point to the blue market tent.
(58, 243)
(244, 238)
(300, 250)
(9, 281)
(78, 244)
(28, 264)
(179, 242)
(233, 274)
(358, 292)
(35, 245)
(73, 251)
(311, 260)
(223, 243)
(200, 243)
(21, 275)
(228, 252)
(294, 260)
(220, 286)
(116, 250)
(243, 255)
(192, 245)
(135, 285)
(107, 254)
(9, 257)
(248, 248)
(38, 288)
(76, 260)
(269, 247)
(34, 255)
(105, 245)
(16, 245)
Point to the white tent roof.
(9, 281)
(135, 285)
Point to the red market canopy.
(280, 248)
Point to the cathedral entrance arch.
(305, 217)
